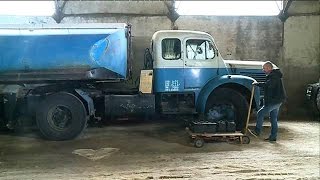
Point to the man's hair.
(268, 63)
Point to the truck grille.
(260, 77)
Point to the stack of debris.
(219, 119)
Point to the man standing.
(274, 96)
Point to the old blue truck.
(64, 75)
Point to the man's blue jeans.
(273, 110)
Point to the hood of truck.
(246, 64)
(247, 68)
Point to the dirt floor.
(161, 150)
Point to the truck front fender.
(215, 83)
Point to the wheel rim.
(199, 143)
(245, 140)
(221, 111)
(59, 117)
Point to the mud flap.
(88, 100)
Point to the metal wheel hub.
(59, 117)
(221, 111)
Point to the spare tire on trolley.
(227, 97)
(61, 116)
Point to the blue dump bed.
(64, 52)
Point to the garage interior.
(160, 149)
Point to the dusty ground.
(161, 150)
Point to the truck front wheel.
(229, 102)
(61, 116)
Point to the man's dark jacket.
(274, 91)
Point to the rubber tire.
(78, 112)
(245, 140)
(198, 142)
(227, 95)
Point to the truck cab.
(184, 61)
(190, 76)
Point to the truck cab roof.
(181, 34)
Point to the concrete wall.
(241, 38)
(304, 7)
(116, 7)
(301, 53)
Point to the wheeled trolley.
(200, 138)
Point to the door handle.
(189, 65)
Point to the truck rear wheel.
(225, 97)
(62, 116)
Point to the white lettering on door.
(172, 85)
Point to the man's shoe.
(255, 133)
(270, 139)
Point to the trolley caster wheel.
(245, 140)
(198, 142)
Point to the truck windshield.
(199, 49)
(171, 49)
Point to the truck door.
(200, 63)
(168, 66)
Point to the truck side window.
(171, 49)
(199, 49)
